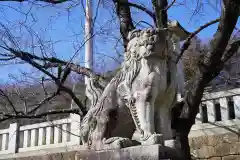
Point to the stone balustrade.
(219, 106)
(63, 132)
(215, 135)
(218, 110)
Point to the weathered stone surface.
(223, 149)
(231, 157)
(55, 156)
(141, 152)
(198, 142)
(235, 148)
(215, 158)
(151, 152)
(215, 141)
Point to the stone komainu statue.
(134, 108)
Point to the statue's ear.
(178, 30)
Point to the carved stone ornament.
(134, 108)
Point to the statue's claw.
(148, 138)
(153, 139)
(118, 142)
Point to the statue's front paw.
(117, 142)
(153, 139)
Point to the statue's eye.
(133, 34)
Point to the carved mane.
(140, 46)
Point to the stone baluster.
(42, 136)
(4, 141)
(34, 137)
(64, 133)
(75, 129)
(57, 134)
(49, 135)
(25, 138)
(13, 134)
(210, 110)
(236, 100)
(224, 106)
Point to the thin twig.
(30, 60)
(8, 100)
(26, 116)
(42, 103)
(140, 7)
(171, 4)
(187, 42)
(231, 51)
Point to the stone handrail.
(219, 106)
(40, 135)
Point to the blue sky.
(65, 29)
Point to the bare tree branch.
(80, 70)
(44, 101)
(34, 116)
(55, 62)
(188, 40)
(27, 58)
(231, 51)
(140, 7)
(210, 66)
(2, 93)
(171, 4)
(46, 1)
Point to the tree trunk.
(124, 15)
(161, 12)
(184, 113)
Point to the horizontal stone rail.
(63, 132)
(219, 106)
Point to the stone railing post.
(13, 138)
(75, 129)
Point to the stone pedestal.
(150, 152)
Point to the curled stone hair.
(141, 45)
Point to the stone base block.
(143, 152)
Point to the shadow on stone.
(141, 152)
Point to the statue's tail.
(93, 92)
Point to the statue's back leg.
(163, 113)
(101, 137)
(163, 122)
(105, 123)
